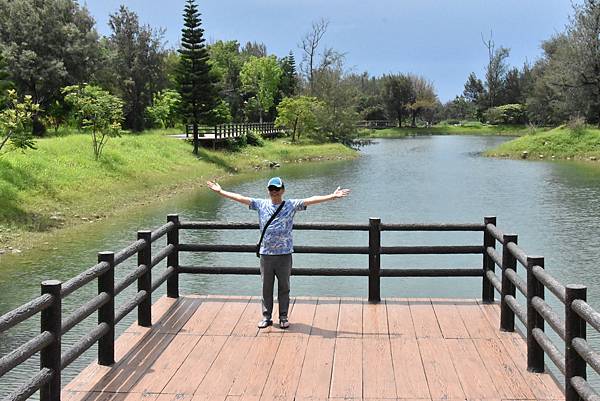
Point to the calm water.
(553, 206)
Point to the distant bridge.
(221, 132)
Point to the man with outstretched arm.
(277, 247)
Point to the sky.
(438, 39)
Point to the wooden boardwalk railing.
(221, 132)
(376, 124)
(578, 314)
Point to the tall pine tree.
(196, 84)
(289, 80)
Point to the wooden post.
(575, 327)
(51, 321)
(507, 316)
(487, 291)
(144, 283)
(535, 353)
(173, 258)
(374, 259)
(106, 313)
(196, 140)
(215, 137)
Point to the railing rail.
(578, 314)
(234, 130)
(376, 124)
(53, 359)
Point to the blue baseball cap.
(275, 182)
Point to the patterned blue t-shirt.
(278, 237)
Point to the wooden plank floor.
(208, 348)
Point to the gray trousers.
(272, 266)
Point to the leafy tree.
(337, 119)
(260, 76)
(221, 114)
(584, 37)
(398, 94)
(475, 92)
(196, 85)
(47, 44)
(552, 97)
(458, 109)
(299, 114)
(164, 107)
(337, 125)
(370, 108)
(513, 87)
(15, 122)
(137, 64)
(425, 97)
(369, 103)
(169, 68)
(226, 63)
(97, 112)
(255, 49)
(474, 89)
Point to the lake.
(554, 207)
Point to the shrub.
(97, 112)
(531, 129)
(576, 124)
(15, 122)
(163, 111)
(236, 144)
(254, 139)
(506, 114)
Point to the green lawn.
(471, 128)
(60, 183)
(560, 143)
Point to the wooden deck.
(208, 348)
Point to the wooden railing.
(376, 124)
(578, 313)
(571, 327)
(53, 325)
(233, 130)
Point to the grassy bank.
(60, 185)
(464, 129)
(559, 143)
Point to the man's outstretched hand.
(214, 186)
(340, 193)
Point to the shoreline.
(52, 213)
(467, 129)
(559, 144)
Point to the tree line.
(55, 68)
(562, 85)
(51, 52)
